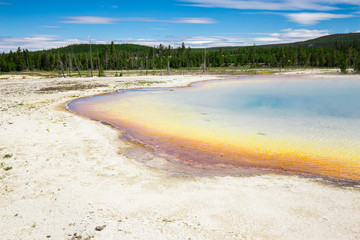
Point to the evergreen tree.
(129, 56)
(344, 66)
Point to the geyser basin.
(299, 124)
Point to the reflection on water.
(303, 125)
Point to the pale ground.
(69, 176)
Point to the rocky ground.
(64, 177)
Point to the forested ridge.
(325, 41)
(112, 56)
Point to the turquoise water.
(327, 98)
(303, 124)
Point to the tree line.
(100, 57)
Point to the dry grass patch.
(73, 87)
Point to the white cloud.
(36, 42)
(51, 27)
(39, 42)
(290, 35)
(274, 35)
(212, 41)
(307, 18)
(284, 36)
(114, 6)
(4, 3)
(267, 39)
(319, 5)
(112, 20)
(295, 35)
(90, 20)
(194, 42)
(194, 20)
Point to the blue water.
(326, 98)
(300, 124)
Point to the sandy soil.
(63, 176)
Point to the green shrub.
(101, 71)
(344, 66)
(357, 66)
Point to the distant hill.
(85, 48)
(326, 41)
(338, 50)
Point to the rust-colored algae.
(205, 153)
(160, 127)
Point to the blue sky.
(199, 23)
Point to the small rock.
(48, 236)
(76, 236)
(100, 228)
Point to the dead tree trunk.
(153, 61)
(161, 65)
(146, 66)
(106, 61)
(168, 66)
(61, 66)
(116, 61)
(99, 63)
(27, 63)
(189, 62)
(91, 62)
(70, 64)
(204, 70)
(77, 66)
(87, 65)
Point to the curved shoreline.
(68, 176)
(244, 169)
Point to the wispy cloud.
(209, 41)
(267, 40)
(39, 42)
(90, 20)
(310, 18)
(193, 20)
(36, 42)
(112, 20)
(319, 5)
(291, 35)
(307, 18)
(284, 36)
(4, 3)
(52, 27)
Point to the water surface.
(297, 124)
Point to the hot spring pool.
(298, 124)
